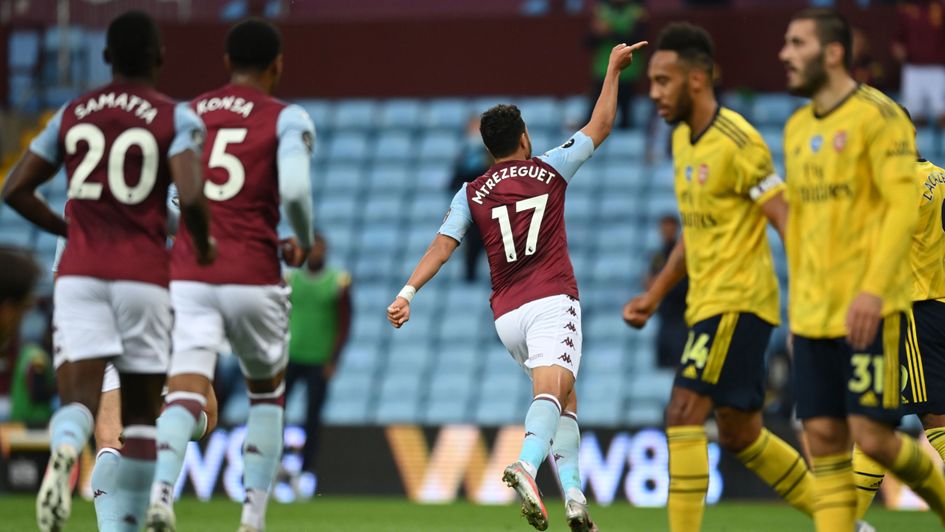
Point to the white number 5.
(537, 203)
(219, 158)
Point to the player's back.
(928, 241)
(114, 144)
(242, 184)
(518, 207)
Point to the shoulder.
(343, 278)
(292, 116)
(872, 104)
(735, 128)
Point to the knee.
(682, 411)
(825, 439)
(736, 439)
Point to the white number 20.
(95, 140)
(537, 203)
(219, 158)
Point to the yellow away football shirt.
(928, 241)
(722, 177)
(852, 193)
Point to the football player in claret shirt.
(924, 387)
(121, 146)
(850, 161)
(258, 152)
(518, 207)
(727, 192)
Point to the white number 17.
(531, 242)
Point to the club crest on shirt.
(688, 173)
(568, 144)
(816, 142)
(840, 140)
(703, 173)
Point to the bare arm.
(188, 176)
(639, 309)
(776, 210)
(19, 192)
(440, 251)
(605, 111)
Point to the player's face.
(803, 59)
(316, 257)
(669, 86)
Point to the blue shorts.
(832, 380)
(724, 360)
(923, 386)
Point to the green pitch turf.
(393, 515)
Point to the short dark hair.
(133, 43)
(501, 128)
(831, 27)
(18, 275)
(692, 43)
(253, 44)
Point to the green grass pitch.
(333, 514)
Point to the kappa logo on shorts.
(558, 456)
(252, 449)
(529, 433)
(570, 326)
(566, 357)
(164, 446)
(568, 342)
(97, 493)
(572, 312)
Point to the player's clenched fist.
(621, 56)
(398, 312)
(638, 311)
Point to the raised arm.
(639, 309)
(602, 118)
(187, 173)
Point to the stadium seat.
(360, 356)
(574, 111)
(448, 113)
(642, 112)
(407, 354)
(448, 411)
(394, 146)
(387, 208)
(460, 358)
(773, 109)
(16, 233)
(343, 178)
(624, 144)
(354, 114)
(439, 146)
(601, 411)
(925, 142)
(401, 114)
(645, 413)
(349, 146)
(540, 113)
(618, 266)
(335, 208)
(433, 176)
(379, 239)
(619, 207)
(457, 326)
(24, 50)
(457, 386)
(651, 386)
(578, 207)
(393, 177)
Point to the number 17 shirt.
(518, 207)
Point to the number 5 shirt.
(518, 207)
(115, 143)
(258, 148)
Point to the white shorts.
(127, 321)
(923, 90)
(254, 318)
(544, 332)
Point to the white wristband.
(407, 292)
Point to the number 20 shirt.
(115, 143)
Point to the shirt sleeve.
(46, 144)
(755, 175)
(568, 157)
(296, 134)
(189, 131)
(891, 147)
(458, 218)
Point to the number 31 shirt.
(115, 143)
(256, 145)
(518, 207)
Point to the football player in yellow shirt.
(727, 192)
(850, 162)
(925, 337)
